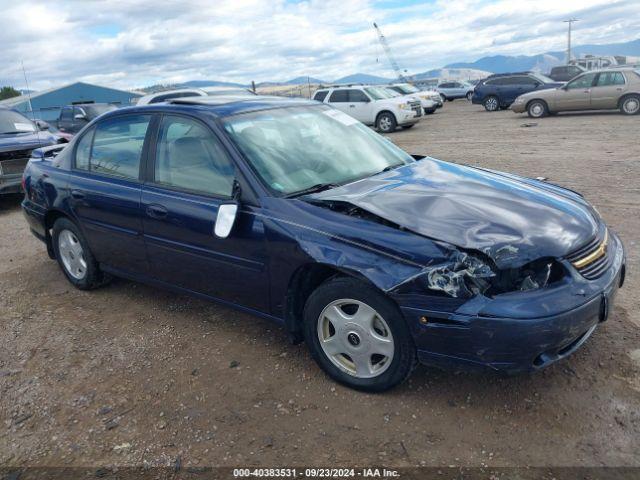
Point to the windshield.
(409, 88)
(379, 93)
(543, 78)
(14, 123)
(391, 92)
(94, 111)
(294, 149)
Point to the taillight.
(24, 183)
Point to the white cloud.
(129, 43)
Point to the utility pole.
(570, 21)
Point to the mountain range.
(464, 70)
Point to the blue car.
(293, 211)
(19, 136)
(500, 90)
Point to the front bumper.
(408, 117)
(518, 107)
(513, 343)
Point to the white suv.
(372, 106)
(430, 101)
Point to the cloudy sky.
(134, 43)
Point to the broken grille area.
(13, 162)
(600, 263)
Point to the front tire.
(407, 127)
(443, 97)
(469, 95)
(491, 103)
(537, 109)
(386, 122)
(74, 256)
(630, 105)
(358, 336)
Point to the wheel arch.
(537, 100)
(385, 110)
(627, 95)
(304, 280)
(50, 219)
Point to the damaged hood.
(511, 221)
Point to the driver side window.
(189, 157)
(585, 81)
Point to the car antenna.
(33, 116)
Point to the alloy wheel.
(72, 254)
(491, 104)
(355, 338)
(385, 124)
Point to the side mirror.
(80, 116)
(227, 213)
(42, 125)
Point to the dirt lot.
(130, 375)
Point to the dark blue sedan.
(291, 210)
(500, 90)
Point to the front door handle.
(77, 194)
(157, 211)
(352, 106)
(587, 90)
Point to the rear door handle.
(157, 211)
(77, 194)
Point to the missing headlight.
(465, 277)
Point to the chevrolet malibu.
(293, 211)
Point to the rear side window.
(610, 78)
(319, 96)
(189, 157)
(116, 147)
(339, 96)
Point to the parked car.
(372, 106)
(165, 96)
(430, 100)
(293, 211)
(605, 89)
(18, 137)
(451, 90)
(73, 118)
(565, 73)
(500, 90)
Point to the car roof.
(220, 105)
(528, 72)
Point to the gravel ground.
(131, 375)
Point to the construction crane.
(383, 41)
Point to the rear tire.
(386, 122)
(491, 103)
(630, 105)
(430, 111)
(537, 109)
(347, 321)
(74, 256)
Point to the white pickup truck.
(372, 106)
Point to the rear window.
(320, 96)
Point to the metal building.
(46, 105)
